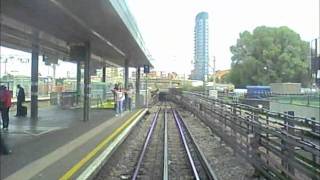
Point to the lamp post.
(146, 70)
(214, 72)
(147, 103)
(213, 66)
(205, 80)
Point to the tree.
(225, 79)
(269, 55)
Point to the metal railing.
(278, 145)
(303, 99)
(312, 100)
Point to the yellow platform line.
(98, 148)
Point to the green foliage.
(224, 79)
(269, 55)
(192, 88)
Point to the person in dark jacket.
(5, 98)
(116, 88)
(20, 99)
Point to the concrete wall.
(301, 111)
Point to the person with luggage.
(5, 103)
(21, 111)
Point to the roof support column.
(86, 102)
(137, 86)
(126, 73)
(126, 82)
(34, 76)
(78, 81)
(104, 80)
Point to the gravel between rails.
(224, 162)
(122, 163)
(152, 165)
(179, 167)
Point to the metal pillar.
(34, 77)
(288, 149)
(147, 103)
(54, 75)
(103, 79)
(126, 81)
(78, 81)
(291, 150)
(137, 86)
(205, 81)
(314, 129)
(86, 102)
(126, 73)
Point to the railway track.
(164, 150)
(177, 161)
(169, 150)
(149, 161)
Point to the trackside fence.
(278, 145)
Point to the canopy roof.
(107, 24)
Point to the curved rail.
(146, 143)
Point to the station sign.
(77, 53)
(213, 93)
(146, 69)
(48, 60)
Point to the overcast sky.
(167, 25)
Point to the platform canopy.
(59, 24)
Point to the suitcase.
(24, 111)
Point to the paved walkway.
(32, 140)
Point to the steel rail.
(146, 143)
(191, 161)
(203, 160)
(165, 147)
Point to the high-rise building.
(201, 49)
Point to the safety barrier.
(278, 145)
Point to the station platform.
(46, 148)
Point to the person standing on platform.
(20, 99)
(5, 98)
(130, 94)
(119, 100)
(116, 87)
